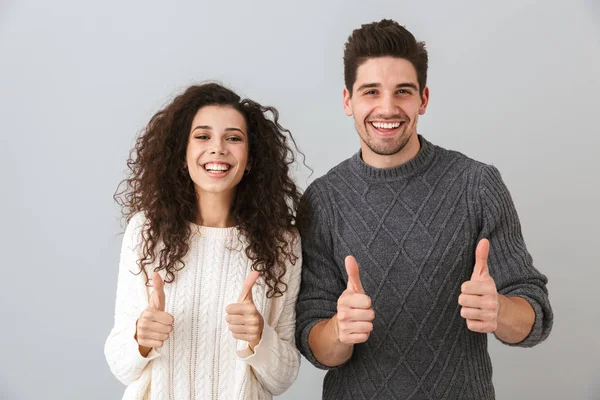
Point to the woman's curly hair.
(159, 185)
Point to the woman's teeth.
(214, 167)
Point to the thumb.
(481, 270)
(353, 275)
(246, 293)
(158, 295)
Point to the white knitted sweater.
(201, 360)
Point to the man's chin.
(388, 149)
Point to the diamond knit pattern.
(413, 230)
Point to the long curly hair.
(159, 185)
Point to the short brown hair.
(381, 39)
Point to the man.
(411, 253)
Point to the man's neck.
(407, 153)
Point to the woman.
(210, 208)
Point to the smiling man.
(412, 253)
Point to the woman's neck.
(215, 209)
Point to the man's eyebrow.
(368, 86)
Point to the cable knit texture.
(413, 230)
(201, 359)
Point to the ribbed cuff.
(535, 335)
(260, 356)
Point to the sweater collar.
(421, 161)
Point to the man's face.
(385, 103)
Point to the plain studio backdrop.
(514, 83)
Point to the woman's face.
(217, 150)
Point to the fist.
(154, 325)
(355, 314)
(244, 320)
(479, 298)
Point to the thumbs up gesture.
(479, 298)
(354, 312)
(245, 322)
(154, 325)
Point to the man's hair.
(381, 39)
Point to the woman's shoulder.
(293, 237)
(137, 220)
(294, 251)
(133, 231)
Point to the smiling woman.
(217, 152)
(210, 205)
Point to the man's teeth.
(386, 125)
(216, 167)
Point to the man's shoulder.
(454, 157)
(331, 176)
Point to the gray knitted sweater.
(413, 230)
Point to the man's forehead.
(386, 71)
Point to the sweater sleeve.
(510, 263)
(322, 283)
(121, 349)
(276, 360)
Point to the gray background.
(514, 83)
